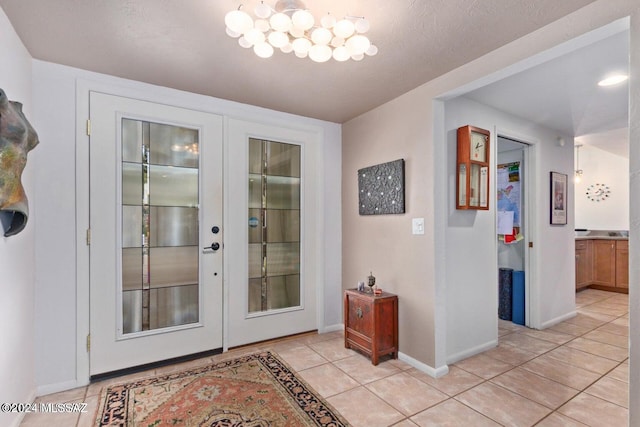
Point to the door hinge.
(89, 127)
(88, 236)
(88, 343)
(530, 244)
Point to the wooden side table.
(371, 323)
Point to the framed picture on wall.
(559, 199)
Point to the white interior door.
(272, 255)
(156, 232)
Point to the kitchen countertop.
(602, 235)
(602, 238)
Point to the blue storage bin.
(518, 297)
(505, 279)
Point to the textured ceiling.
(182, 44)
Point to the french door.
(272, 255)
(156, 206)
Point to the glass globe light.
(278, 39)
(262, 10)
(320, 53)
(362, 25)
(328, 21)
(301, 46)
(344, 28)
(238, 21)
(296, 32)
(280, 22)
(341, 54)
(302, 19)
(262, 25)
(244, 43)
(254, 36)
(321, 36)
(294, 29)
(337, 41)
(232, 33)
(263, 50)
(372, 51)
(358, 44)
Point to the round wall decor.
(598, 192)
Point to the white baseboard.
(20, 416)
(18, 419)
(43, 390)
(429, 370)
(559, 319)
(472, 351)
(331, 328)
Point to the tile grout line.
(579, 391)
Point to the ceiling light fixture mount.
(290, 27)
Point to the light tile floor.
(572, 374)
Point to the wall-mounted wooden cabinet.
(602, 264)
(473, 158)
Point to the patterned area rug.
(257, 390)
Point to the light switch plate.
(418, 225)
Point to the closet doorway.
(514, 229)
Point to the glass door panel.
(282, 192)
(282, 259)
(284, 225)
(283, 291)
(160, 205)
(274, 226)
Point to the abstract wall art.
(381, 189)
(17, 138)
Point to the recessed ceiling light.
(613, 80)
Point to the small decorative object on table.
(371, 281)
(360, 286)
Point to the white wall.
(471, 250)
(57, 364)
(602, 167)
(17, 253)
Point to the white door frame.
(532, 289)
(185, 100)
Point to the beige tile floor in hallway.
(573, 374)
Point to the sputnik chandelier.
(290, 27)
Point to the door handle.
(214, 246)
